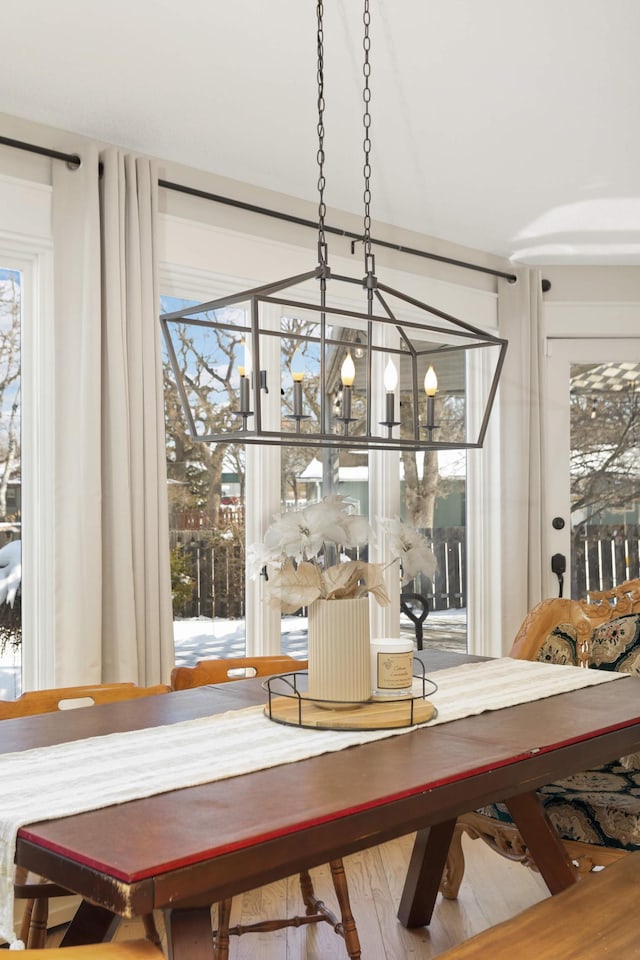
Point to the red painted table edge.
(26, 834)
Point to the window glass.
(605, 486)
(206, 492)
(207, 483)
(308, 475)
(10, 483)
(433, 501)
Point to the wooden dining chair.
(239, 668)
(122, 950)
(65, 698)
(593, 811)
(232, 668)
(34, 890)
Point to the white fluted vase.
(339, 650)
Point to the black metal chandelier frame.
(338, 431)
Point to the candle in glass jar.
(391, 667)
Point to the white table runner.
(115, 768)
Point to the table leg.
(189, 933)
(90, 924)
(545, 846)
(424, 874)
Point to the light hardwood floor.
(493, 890)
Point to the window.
(202, 260)
(433, 498)
(206, 505)
(10, 481)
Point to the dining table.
(182, 850)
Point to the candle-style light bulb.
(297, 373)
(390, 377)
(430, 388)
(430, 382)
(244, 369)
(297, 370)
(248, 362)
(348, 371)
(390, 384)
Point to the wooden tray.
(373, 715)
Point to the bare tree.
(207, 374)
(605, 438)
(10, 333)
(421, 491)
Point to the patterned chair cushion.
(561, 646)
(601, 805)
(616, 645)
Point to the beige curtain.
(112, 577)
(520, 319)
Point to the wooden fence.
(448, 589)
(604, 556)
(213, 559)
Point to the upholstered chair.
(596, 812)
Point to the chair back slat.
(63, 698)
(233, 668)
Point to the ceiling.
(509, 126)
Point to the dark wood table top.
(229, 836)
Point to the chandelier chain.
(322, 208)
(366, 119)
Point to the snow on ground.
(201, 638)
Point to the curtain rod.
(72, 159)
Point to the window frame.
(33, 258)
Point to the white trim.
(193, 246)
(484, 621)
(262, 501)
(21, 183)
(203, 285)
(588, 320)
(26, 210)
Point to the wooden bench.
(594, 919)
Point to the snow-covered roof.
(451, 464)
(10, 571)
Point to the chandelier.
(323, 359)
